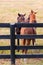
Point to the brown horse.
(26, 31)
(20, 18)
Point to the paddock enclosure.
(13, 37)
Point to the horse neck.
(32, 22)
(21, 21)
(32, 18)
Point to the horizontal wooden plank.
(30, 56)
(29, 36)
(5, 36)
(4, 47)
(3, 25)
(28, 47)
(28, 24)
(5, 56)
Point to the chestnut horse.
(30, 31)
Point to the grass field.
(8, 14)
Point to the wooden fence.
(13, 37)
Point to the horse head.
(32, 16)
(21, 17)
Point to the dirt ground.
(29, 62)
(5, 62)
(22, 61)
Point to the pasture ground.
(29, 62)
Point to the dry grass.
(8, 14)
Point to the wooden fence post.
(12, 30)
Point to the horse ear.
(24, 14)
(32, 11)
(35, 12)
(19, 14)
